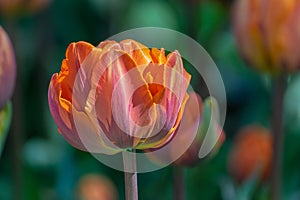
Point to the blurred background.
(37, 163)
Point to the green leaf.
(247, 190)
(5, 120)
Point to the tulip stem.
(130, 175)
(179, 183)
(280, 85)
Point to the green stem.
(131, 186)
(179, 183)
(278, 135)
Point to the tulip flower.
(251, 153)
(268, 36)
(15, 7)
(267, 33)
(112, 97)
(7, 68)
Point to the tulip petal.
(107, 44)
(169, 76)
(90, 135)
(75, 55)
(165, 136)
(62, 116)
(115, 63)
(158, 56)
(138, 52)
(175, 62)
(60, 92)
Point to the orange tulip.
(267, 33)
(112, 97)
(7, 68)
(252, 152)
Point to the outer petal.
(75, 55)
(118, 63)
(62, 116)
(84, 92)
(61, 89)
(7, 68)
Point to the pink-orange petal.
(75, 55)
(158, 56)
(61, 116)
(138, 52)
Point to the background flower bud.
(17, 7)
(267, 33)
(96, 187)
(191, 155)
(251, 153)
(7, 68)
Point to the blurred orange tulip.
(16, 7)
(96, 187)
(268, 34)
(7, 68)
(252, 152)
(99, 72)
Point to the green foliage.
(5, 120)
